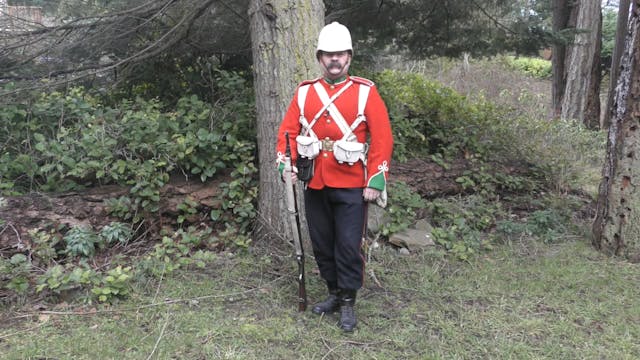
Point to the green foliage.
(402, 208)
(81, 241)
(233, 236)
(461, 223)
(58, 279)
(534, 67)
(82, 280)
(66, 141)
(187, 208)
(240, 194)
(177, 250)
(15, 273)
(44, 245)
(430, 118)
(122, 208)
(113, 285)
(488, 182)
(550, 220)
(564, 153)
(609, 28)
(116, 232)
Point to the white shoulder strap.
(302, 97)
(363, 95)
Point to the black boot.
(330, 304)
(347, 311)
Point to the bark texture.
(616, 229)
(580, 62)
(561, 21)
(621, 34)
(283, 36)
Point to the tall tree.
(618, 48)
(283, 36)
(576, 67)
(562, 20)
(616, 229)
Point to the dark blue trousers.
(336, 219)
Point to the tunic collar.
(336, 81)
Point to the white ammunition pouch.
(349, 151)
(308, 146)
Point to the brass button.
(326, 155)
(332, 87)
(328, 121)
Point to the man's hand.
(294, 174)
(370, 194)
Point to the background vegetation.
(511, 275)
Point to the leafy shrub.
(431, 120)
(58, 279)
(81, 241)
(535, 67)
(66, 141)
(460, 223)
(402, 208)
(15, 273)
(113, 285)
(116, 232)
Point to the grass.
(524, 300)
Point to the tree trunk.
(580, 62)
(592, 108)
(283, 37)
(621, 33)
(616, 229)
(561, 15)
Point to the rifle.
(294, 218)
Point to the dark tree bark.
(283, 36)
(621, 33)
(616, 229)
(561, 17)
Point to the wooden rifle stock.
(294, 218)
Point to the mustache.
(334, 64)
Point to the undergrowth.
(71, 141)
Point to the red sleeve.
(291, 125)
(381, 141)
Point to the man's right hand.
(294, 174)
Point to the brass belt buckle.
(327, 145)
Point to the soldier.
(331, 119)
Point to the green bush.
(403, 206)
(429, 118)
(432, 120)
(67, 141)
(534, 67)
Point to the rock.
(414, 238)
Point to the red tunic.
(328, 172)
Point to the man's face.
(335, 64)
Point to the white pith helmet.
(334, 37)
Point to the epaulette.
(308, 82)
(361, 80)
